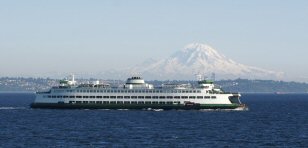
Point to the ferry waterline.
(136, 94)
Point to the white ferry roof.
(135, 80)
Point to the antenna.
(73, 79)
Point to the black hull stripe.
(132, 106)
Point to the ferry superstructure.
(136, 94)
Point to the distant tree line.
(238, 85)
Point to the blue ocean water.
(272, 121)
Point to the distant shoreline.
(21, 92)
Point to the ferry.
(137, 94)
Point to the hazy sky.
(39, 37)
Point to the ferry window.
(200, 97)
(140, 91)
(112, 97)
(49, 96)
(54, 96)
(65, 96)
(133, 97)
(169, 97)
(157, 91)
(141, 97)
(162, 102)
(184, 97)
(190, 91)
(162, 97)
(147, 102)
(59, 96)
(108, 91)
(92, 102)
(99, 97)
(106, 97)
(85, 102)
(199, 91)
(207, 97)
(148, 97)
(177, 97)
(112, 102)
(122, 91)
(105, 102)
(140, 102)
(192, 97)
(78, 102)
(213, 97)
(194, 91)
(155, 97)
(85, 96)
(176, 102)
(169, 102)
(119, 102)
(78, 97)
(98, 102)
(126, 97)
(154, 102)
(126, 102)
(92, 96)
(120, 97)
(133, 102)
(143, 91)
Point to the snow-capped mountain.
(199, 58)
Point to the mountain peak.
(198, 46)
(197, 53)
(202, 58)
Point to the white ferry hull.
(136, 94)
